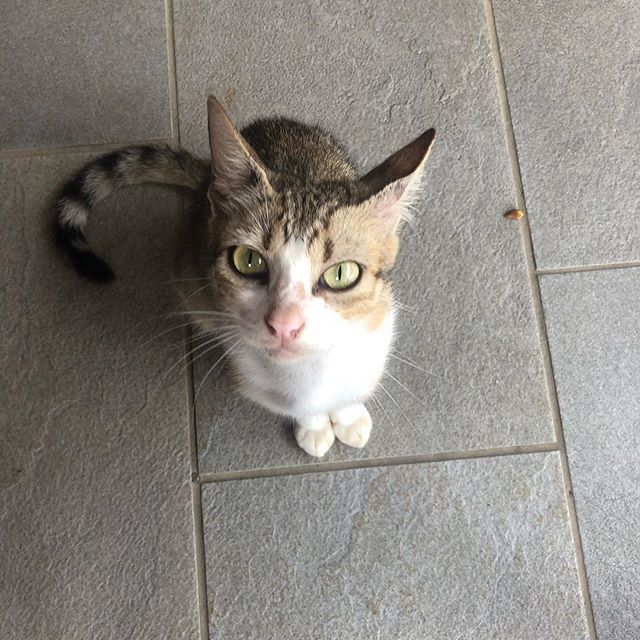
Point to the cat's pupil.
(250, 259)
(339, 273)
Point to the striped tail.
(132, 165)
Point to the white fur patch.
(337, 361)
(315, 435)
(344, 374)
(292, 273)
(98, 184)
(352, 425)
(73, 214)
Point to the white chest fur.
(342, 376)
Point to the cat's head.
(302, 266)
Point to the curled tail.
(132, 165)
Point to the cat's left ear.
(234, 164)
(389, 188)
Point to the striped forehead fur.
(307, 192)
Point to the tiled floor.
(501, 501)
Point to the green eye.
(342, 275)
(248, 262)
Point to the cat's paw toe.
(356, 431)
(316, 442)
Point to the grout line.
(196, 493)
(8, 154)
(196, 488)
(196, 496)
(193, 441)
(345, 465)
(589, 267)
(539, 313)
(201, 578)
(171, 69)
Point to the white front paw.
(315, 435)
(352, 425)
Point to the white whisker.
(398, 305)
(406, 417)
(413, 395)
(220, 314)
(210, 332)
(215, 364)
(184, 280)
(384, 411)
(158, 335)
(415, 366)
(198, 290)
(208, 346)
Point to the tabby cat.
(295, 260)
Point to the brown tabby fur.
(303, 186)
(312, 194)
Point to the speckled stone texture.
(467, 549)
(95, 510)
(594, 333)
(573, 79)
(96, 516)
(377, 78)
(80, 72)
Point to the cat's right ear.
(234, 164)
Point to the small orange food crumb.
(514, 214)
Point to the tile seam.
(368, 463)
(35, 152)
(201, 580)
(539, 313)
(196, 491)
(189, 374)
(588, 268)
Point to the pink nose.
(286, 324)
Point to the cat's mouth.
(285, 353)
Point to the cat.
(295, 260)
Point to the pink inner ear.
(387, 204)
(399, 187)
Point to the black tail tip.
(90, 266)
(72, 242)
